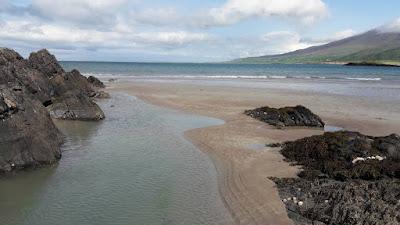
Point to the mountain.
(371, 46)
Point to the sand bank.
(243, 171)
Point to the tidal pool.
(135, 167)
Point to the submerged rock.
(288, 116)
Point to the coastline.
(242, 172)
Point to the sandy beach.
(235, 147)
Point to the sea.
(363, 81)
(136, 167)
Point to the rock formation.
(347, 178)
(288, 116)
(30, 91)
(356, 202)
(95, 82)
(333, 155)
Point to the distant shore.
(243, 170)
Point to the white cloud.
(344, 34)
(157, 16)
(284, 41)
(79, 11)
(392, 27)
(119, 37)
(233, 11)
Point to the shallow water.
(134, 167)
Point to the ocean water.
(381, 83)
(134, 167)
(235, 71)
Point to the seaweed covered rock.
(346, 155)
(347, 178)
(287, 116)
(28, 137)
(355, 202)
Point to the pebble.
(300, 203)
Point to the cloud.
(334, 37)
(157, 16)
(80, 12)
(344, 34)
(57, 36)
(392, 27)
(234, 11)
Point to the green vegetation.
(372, 46)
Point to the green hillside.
(372, 46)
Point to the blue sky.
(183, 30)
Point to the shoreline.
(247, 193)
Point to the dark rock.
(71, 91)
(28, 137)
(8, 56)
(274, 145)
(347, 178)
(95, 82)
(355, 202)
(45, 63)
(101, 95)
(288, 116)
(75, 107)
(333, 154)
(370, 64)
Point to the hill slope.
(370, 46)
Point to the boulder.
(28, 137)
(288, 116)
(96, 83)
(71, 92)
(30, 91)
(75, 107)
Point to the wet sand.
(243, 172)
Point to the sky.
(185, 30)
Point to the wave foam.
(259, 77)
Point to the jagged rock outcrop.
(288, 116)
(28, 137)
(29, 90)
(45, 63)
(347, 178)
